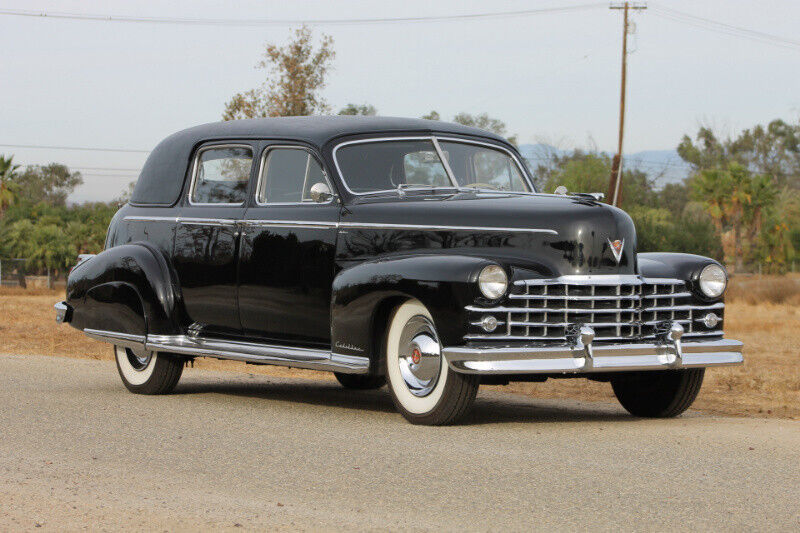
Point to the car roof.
(162, 176)
(321, 129)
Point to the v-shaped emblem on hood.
(616, 248)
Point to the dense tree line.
(37, 225)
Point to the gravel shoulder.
(232, 451)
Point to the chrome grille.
(618, 308)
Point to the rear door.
(287, 252)
(207, 236)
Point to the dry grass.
(756, 290)
(768, 384)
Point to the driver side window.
(287, 175)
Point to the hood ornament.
(616, 248)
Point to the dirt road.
(232, 451)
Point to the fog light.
(489, 323)
(710, 320)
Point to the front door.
(207, 237)
(287, 251)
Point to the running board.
(248, 352)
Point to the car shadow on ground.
(490, 407)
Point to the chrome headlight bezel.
(712, 281)
(493, 282)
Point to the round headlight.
(493, 282)
(713, 281)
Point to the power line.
(80, 148)
(282, 22)
(724, 28)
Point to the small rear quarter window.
(221, 174)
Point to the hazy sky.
(551, 77)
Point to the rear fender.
(127, 289)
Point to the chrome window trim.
(520, 167)
(195, 162)
(375, 140)
(262, 176)
(445, 163)
(435, 140)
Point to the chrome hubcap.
(420, 356)
(139, 359)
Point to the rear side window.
(287, 175)
(221, 174)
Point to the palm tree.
(7, 171)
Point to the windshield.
(387, 165)
(482, 167)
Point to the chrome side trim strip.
(207, 221)
(323, 224)
(289, 223)
(240, 351)
(609, 358)
(426, 227)
(183, 220)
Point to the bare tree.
(295, 77)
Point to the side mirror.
(320, 192)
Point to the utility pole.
(615, 183)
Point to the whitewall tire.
(145, 372)
(424, 389)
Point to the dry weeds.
(768, 384)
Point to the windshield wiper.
(495, 191)
(402, 188)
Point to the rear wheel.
(424, 388)
(146, 372)
(360, 382)
(658, 394)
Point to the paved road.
(234, 450)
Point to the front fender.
(365, 295)
(127, 289)
(685, 267)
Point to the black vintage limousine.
(405, 252)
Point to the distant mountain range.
(664, 165)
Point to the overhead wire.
(724, 28)
(311, 22)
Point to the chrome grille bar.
(618, 307)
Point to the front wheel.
(424, 388)
(658, 394)
(146, 372)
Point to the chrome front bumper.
(587, 358)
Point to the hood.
(581, 244)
